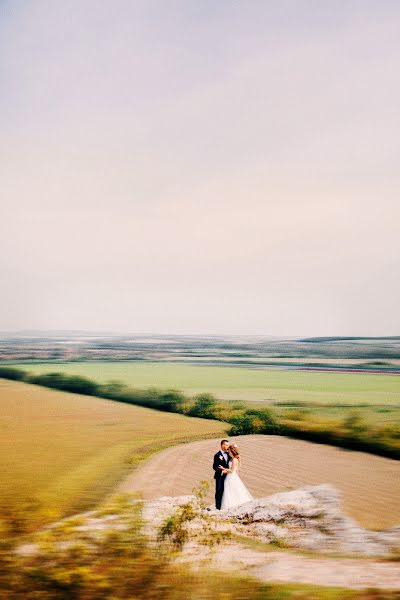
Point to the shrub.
(254, 421)
(264, 421)
(13, 373)
(205, 406)
(115, 390)
(171, 401)
(241, 425)
(354, 422)
(296, 414)
(176, 529)
(68, 383)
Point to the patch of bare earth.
(370, 485)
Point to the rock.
(156, 511)
(308, 518)
(270, 532)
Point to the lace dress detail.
(235, 492)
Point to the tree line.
(350, 432)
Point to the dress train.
(235, 492)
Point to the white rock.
(309, 518)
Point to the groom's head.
(224, 445)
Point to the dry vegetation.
(67, 451)
(73, 559)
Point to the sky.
(200, 167)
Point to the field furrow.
(370, 485)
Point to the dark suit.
(219, 461)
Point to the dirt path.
(370, 484)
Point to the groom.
(221, 459)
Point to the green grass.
(236, 383)
(371, 428)
(371, 415)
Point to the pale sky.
(198, 166)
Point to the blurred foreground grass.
(120, 562)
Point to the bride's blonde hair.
(235, 452)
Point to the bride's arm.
(234, 467)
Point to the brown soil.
(370, 484)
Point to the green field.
(68, 451)
(237, 383)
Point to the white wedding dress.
(235, 492)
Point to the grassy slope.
(242, 383)
(68, 450)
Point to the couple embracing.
(229, 488)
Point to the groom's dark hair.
(222, 441)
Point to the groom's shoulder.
(216, 454)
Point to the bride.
(235, 492)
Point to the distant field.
(373, 415)
(68, 451)
(236, 383)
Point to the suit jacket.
(219, 460)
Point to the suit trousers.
(219, 490)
